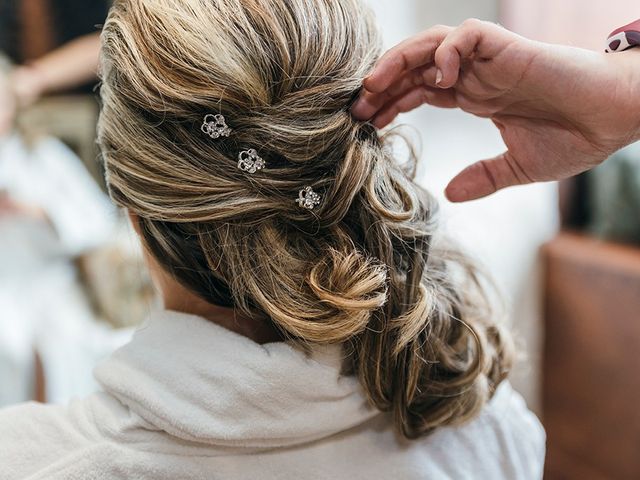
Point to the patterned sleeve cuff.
(624, 38)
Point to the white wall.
(574, 22)
(454, 12)
(400, 18)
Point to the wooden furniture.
(591, 385)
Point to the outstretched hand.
(560, 110)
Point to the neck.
(178, 299)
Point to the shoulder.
(515, 430)
(35, 436)
(505, 441)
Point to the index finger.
(413, 53)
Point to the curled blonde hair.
(362, 269)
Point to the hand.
(560, 110)
(18, 90)
(28, 84)
(12, 208)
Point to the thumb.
(486, 177)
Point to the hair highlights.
(362, 267)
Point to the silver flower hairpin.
(216, 126)
(308, 198)
(249, 161)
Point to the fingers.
(413, 99)
(456, 47)
(413, 53)
(486, 177)
(437, 53)
(369, 104)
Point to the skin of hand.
(19, 89)
(27, 84)
(560, 110)
(11, 208)
(66, 67)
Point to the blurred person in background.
(51, 46)
(51, 209)
(54, 45)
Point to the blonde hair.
(362, 269)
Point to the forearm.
(69, 66)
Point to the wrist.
(28, 84)
(625, 107)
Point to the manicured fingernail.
(438, 77)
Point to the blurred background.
(565, 257)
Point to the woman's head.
(359, 269)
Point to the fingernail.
(438, 77)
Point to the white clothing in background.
(187, 399)
(50, 176)
(42, 304)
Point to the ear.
(135, 222)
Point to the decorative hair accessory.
(249, 161)
(308, 198)
(215, 126)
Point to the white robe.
(42, 303)
(187, 399)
